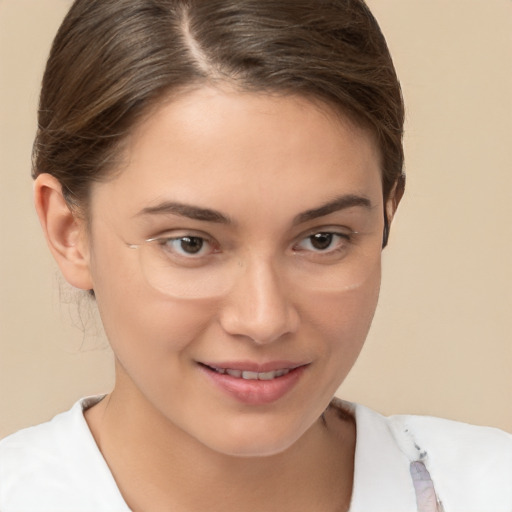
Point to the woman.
(221, 176)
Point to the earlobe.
(64, 231)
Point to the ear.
(65, 232)
(395, 196)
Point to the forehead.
(220, 147)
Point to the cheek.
(342, 321)
(140, 322)
(143, 321)
(152, 340)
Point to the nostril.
(260, 326)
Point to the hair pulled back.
(113, 60)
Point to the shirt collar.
(382, 479)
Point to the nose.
(259, 306)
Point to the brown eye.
(191, 244)
(324, 243)
(186, 246)
(321, 241)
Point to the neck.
(158, 466)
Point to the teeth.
(267, 376)
(247, 375)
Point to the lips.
(254, 384)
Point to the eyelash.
(164, 241)
(345, 238)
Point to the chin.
(259, 440)
(251, 449)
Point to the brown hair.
(112, 60)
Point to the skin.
(261, 161)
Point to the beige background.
(441, 341)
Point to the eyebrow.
(337, 204)
(209, 215)
(186, 210)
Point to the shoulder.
(56, 464)
(470, 466)
(455, 440)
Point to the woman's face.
(240, 322)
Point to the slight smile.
(252, 383)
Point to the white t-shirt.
(57, 466)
